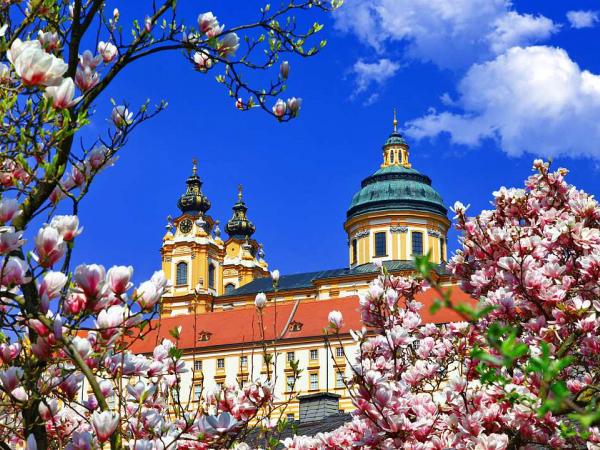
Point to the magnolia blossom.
(148, 24)
(110, 319)
(50, 246)
(91, 279)
(89, 60)
(52, 284)
(119, 279)
(86, 78)
(335, 319)
(148, 294)
(202, 60)
(284, 70)
(34, 65)
(107, 50)
(275, 276)
(10, 240)
(260, 300)
(121, 116)
(105, 423)
(279, 108)
(9, 209)
(48, 40)
(209, 25)
(67, 226)
(11, 377)
(62, 95)
(228, 45)
(293, 105)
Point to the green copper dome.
(396, 188)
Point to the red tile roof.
(239, 326)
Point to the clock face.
(185, 226)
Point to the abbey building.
(395, 214)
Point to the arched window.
(354, 251)
(211, 276)
(182, 273)
(229, 288)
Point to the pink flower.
(105, 424)
(50, 246)
(14, 272)
(67, 226)
(11, 377)
(10, 240)
(209, 24)
(34, 65)
(228, 45)
(9, 209)
(107, 50)
(89, 60)
(119, 279)
(75, 303)
(52, 284)
(335, 319)
(293, 106)
(62, 95)
(279, 108)
(86, 78)
(203, 61)
(48, 40)
(109, 320)
(91, 279)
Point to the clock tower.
(199, 264)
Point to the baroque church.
(395, 214)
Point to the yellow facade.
(210, 275)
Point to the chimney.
(318, 406)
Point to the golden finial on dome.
(240, 192)
(395, 122)
(194, 166)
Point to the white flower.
(203, 61)
(293, 105)
(275, 276)
(105, 424)
(107, 50)
(34, 65)
(67, 226)
(335, 319)
(62, 95)
(260, 300)
(228, 45)
(121, 116)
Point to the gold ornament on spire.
(194, 166)
(240, 192)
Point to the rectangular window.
(197, 392)
(354, 251)
(380, 244)
(243, 361)
(442, 249)
(417, 243)
(339, 352)
(290, 417)
(314, 354)
(197, 365)
(221, 363)
(339, 380)
(291, 357)
(314, 381)
(290, 383)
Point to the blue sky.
(482, 87)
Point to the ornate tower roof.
(193, 200)
(239, 226)
(396, 185)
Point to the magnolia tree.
(67, 330)
(522, 370)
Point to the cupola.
(397, 213)
(239, 226)
(193, 200)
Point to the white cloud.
(533, 99)
(369, 73)
(582, 19)
(449, 33)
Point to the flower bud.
(260, 300)
(284, 70)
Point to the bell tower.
(195, 259)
